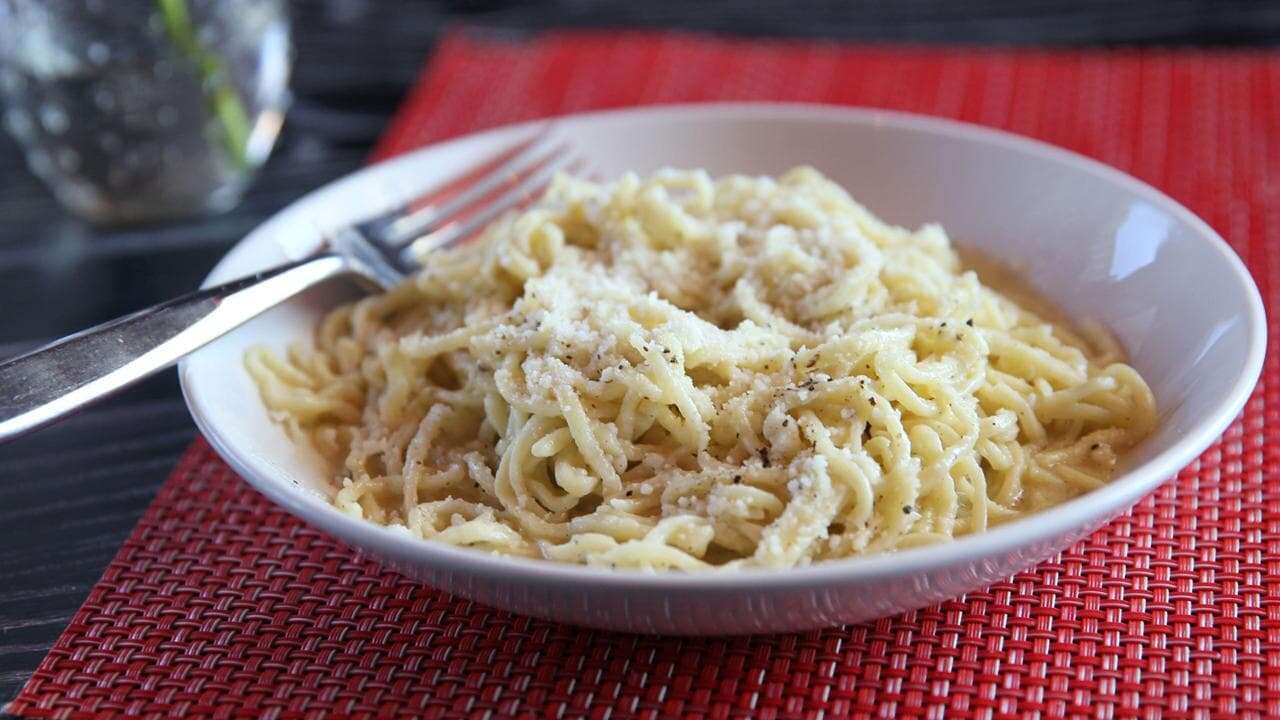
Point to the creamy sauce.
(1012, 283)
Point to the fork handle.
(64, 376)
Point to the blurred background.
(69, 495)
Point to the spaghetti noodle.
(676, 372)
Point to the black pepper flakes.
(737, 479)
(786, 422)
(764, 456)
(872, 401)
(906, 509)
(969, 322)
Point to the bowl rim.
(1085, 511)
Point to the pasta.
(680, 372)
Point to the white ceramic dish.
(1097, 242)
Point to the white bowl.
(1099, 243)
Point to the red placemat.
(220, 604)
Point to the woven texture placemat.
(220, 604)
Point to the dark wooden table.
(69, 495)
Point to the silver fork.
(64, 376)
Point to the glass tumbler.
(144, 109)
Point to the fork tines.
(448, 215)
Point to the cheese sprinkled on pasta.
(680, 372)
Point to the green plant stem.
(214, 78)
